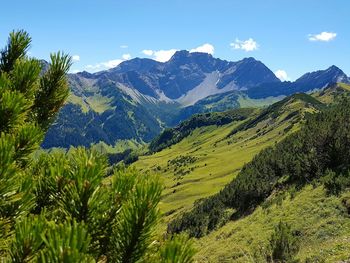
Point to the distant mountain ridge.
(312, 80)
(140, 97)
(185, 72)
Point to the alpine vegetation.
(62, 207)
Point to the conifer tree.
(62, 207)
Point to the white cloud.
(246, 45)
(282, 75)
(159, 55)
(74, 71)
(123, 46)
(112, 63)
(76, 58)
(163, 55)
(93, 68)
(205, 48)
(104, 65)
(147, 52)
(107, 64)
(126, 56)
(323, 36)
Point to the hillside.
(333, 93)
(301, 173)
(203, 162)
(207, 158)
(291, 105)
(98, 111)
(315, 204)
(174, 135)
(322, 221)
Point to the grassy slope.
(331, 93)
(119, 146)
(244, 101)
(214, 167)
(322, 220)
(216, 158)
(97, 103)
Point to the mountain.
(102, 110)
(309, 81)
(322, 78)
(188, 77)
(140, 97)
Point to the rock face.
(139, 97)
(322, 78)
(184, 72)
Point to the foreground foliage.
(60, 207)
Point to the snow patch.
(207, 88)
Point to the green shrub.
(60, 207)
(283, 244)
(177, 249)
(335, 183)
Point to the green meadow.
(201, 164)
(214, 159)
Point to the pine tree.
(62, 207)
(24, 116)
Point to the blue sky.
(293, 36)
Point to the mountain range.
(140, 97)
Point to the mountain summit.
(323, 77)
(140, 97)
(200, 73)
